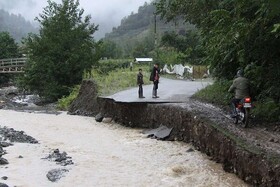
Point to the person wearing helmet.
(241, 88)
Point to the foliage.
(8, 46)
(267, 110)
(62, 50)
(216, 93)
(106, 66)
(110, 49)
(136, 34)
(9, 49)
(19, 27)
(236, 34)
(188, 44)
(65, 101)
(168, 56)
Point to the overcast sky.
(105, 13)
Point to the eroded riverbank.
(246, 152)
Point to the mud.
(86, 102)
(249, 153)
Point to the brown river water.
(104, 155)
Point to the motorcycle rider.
(241, 87)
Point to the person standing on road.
(241, 87)
(155, 78)
(140, 83)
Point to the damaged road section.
(160, 133)
(246, 152)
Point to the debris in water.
(190, 150)
(161, 132)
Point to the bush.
(65, 102)
(216, 93)
(106, 66)
(267, 110)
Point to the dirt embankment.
(86, 102)
(254, 159)
(253, 154)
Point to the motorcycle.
(243, 111)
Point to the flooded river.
(104, 155)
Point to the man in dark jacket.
(155, 78)
(241, 87)
(140, 82)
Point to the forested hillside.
(16, 25)
(136, 34)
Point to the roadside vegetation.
(236, 35)
(110, 79)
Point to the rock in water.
(4, 178)
(3, 161)
(99, 117)
(56, 174)
(3, 185)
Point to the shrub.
(216, 93)
(65, 101)
(267, 110)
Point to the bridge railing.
(12, 65)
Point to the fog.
(105, 13)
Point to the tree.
(236, 34)
(8, 46)
(110, 49)
(9, 49)
(61, 52)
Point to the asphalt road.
(169, 91)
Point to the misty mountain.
(16, 25)
(142, 27)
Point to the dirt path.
(259, 136)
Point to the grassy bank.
(110, 80)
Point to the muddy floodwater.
(103, 155)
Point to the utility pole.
(155, 29)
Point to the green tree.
(9, 49)
(236, 34)
(61, 52)
(110, 49)
(8, 46)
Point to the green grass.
(119, 79)
(216, 93)
(65, 102)
(110, 82)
